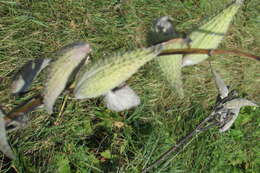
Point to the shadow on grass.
(6, 164)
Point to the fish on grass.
(68, 60)
(228, 103)
(4, 146)
(210, 35)
(161, 31)
(27, 73)
(233, 108)
(106, 74)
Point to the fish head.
(164, 25)
(162, 30)
(78, 50)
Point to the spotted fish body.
(69, 58)
(4, 146)
(27, 73)
(209, 35)
(170, 65)
(106, 74)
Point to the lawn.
(84, 136)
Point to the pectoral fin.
(121, 99)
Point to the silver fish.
(210, 34)
(69, 59)
(161, 31)
(233, 108)
(27, 73)
(228, 104)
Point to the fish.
(23, 79)
(210, 34)
(69, 58)
(170, 65)
(103, 75)
(232, 110)
(228, 104)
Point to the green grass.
(84, 137)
